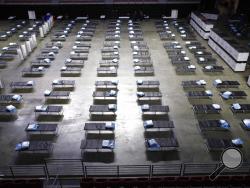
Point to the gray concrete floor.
(129, 135)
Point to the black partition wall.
(94, 10)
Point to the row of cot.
(110, 52)
(174, 50)
(58, 93)
(155, 116)
(149, 97)
(104, 94)
(110, 95)
(38, 146)
(179, 58)
(143, 64)
(80, 50)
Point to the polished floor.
(129, 134)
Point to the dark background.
(114, 10)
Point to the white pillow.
(145, 107)
(136, 60)
(191, 66)
(216, 106)
(137, 68)
(139, 82)
(236, 106)
(51, 54)
(112, 92)
(47, 92)
(25, 144)
(10, 108)
(41, 68)
(217, 81)
(111, 106)
(17, 97)
(149, 122)
(111, 68)
(47, 60)
(140, 94)
(115, 60)
(209, 67)
(55, 81)
(64, 68)
(30, 83)
(32, 126)
(208, 92)
(115, 82)
(201, 58)
(68, 60)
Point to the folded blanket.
(216, 106)
(237, 142)
(140, 94)
(30, 83)
(47, 92)
(112, 107)
(224, 124)
(216, 82)
(32, 126)
(40, 108)
(139, 82)
(247, 122)
(209, 93)
(109, 144)
(22, 146)
(201, 82)
(226, 94)
(145, 107)
(236, 106)
(153, 144)
(17, 97)
(148, 124)
(110, 125)
(10, 108)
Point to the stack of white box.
(236, 60)
(46, 27)
(27, 47)
(203, 28)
